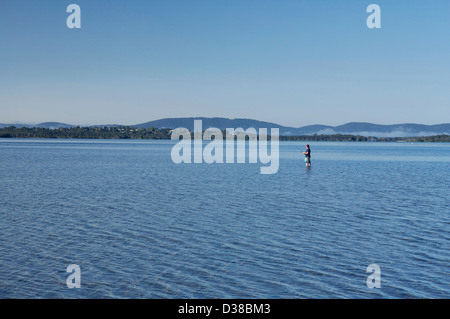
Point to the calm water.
(140, 226)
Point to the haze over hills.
(353, 128)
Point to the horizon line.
(216, 117)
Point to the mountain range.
(353, 128)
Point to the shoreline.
(132, 133)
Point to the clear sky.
(292, 62)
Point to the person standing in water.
(307, 156)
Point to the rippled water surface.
(140, 226)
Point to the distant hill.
(217, 122)
(394, 130)
(353, 128)
(49, 125)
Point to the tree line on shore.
(129, 132)
(77, 132)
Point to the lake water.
(140, 226)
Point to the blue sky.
(290, 62)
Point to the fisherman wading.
(307, 156)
